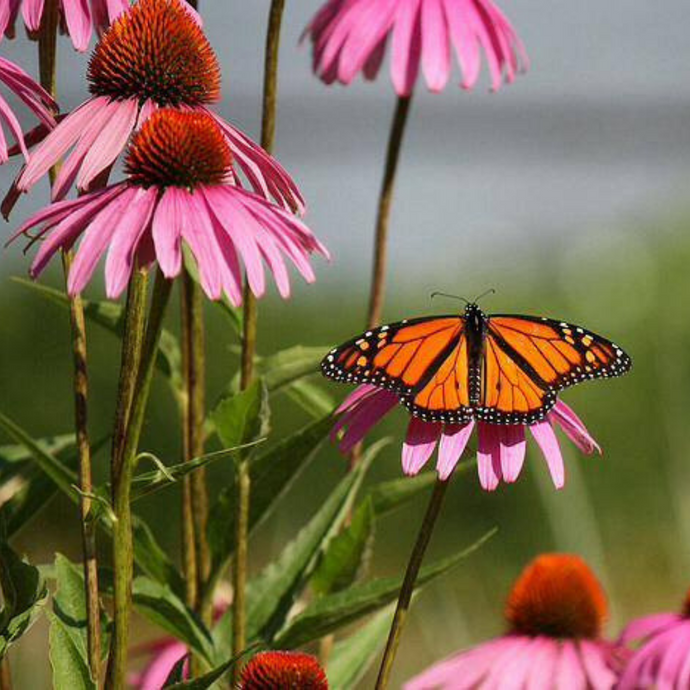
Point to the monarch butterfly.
(499, 368)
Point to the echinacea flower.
(179, 191)
(663, 659)
(501, 448)
(555, 614)
(36, 98)
(350, 36)
(155, 55)
(272, 670)
(165, 654)
(78, 17)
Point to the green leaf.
(272, 594)
(18, 453)
(286, 366)
(24, 595)
(352, 657)
(390, 495)
(111, 317)
(149, 556)
(68, 636)
(311, 397)
(347, 554)
(207, 680)
(272, 474)
(69, 668)
(334, 611)
(162, 606)
(148, 483)
(242, 418)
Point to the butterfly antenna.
(490, 291)
(445, 294)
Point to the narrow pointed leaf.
(352, 657)
(311, 397)
(69, 667)
(243, 417)
(334, 611)
(348, 554)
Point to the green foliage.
(68, 640)
(329, 613)
(208, 679)
(352, 656)
(345, 558)
(24, 594)
(243, 418)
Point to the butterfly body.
(501, 368)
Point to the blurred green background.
(566, 192)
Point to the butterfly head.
(474, 316)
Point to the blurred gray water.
(595, 135)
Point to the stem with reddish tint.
(47, 59)
(268, 128)
(139, 381)
(407, 588)
(378, 277)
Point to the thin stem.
(123, 560)
(195, 504)
(88, 523)
(268, 129)
(378, 278)
(5, 674)
(47, 59)
(408, 584)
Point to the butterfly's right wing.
(423, 361)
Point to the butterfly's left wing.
(529, 359)
(423, 361)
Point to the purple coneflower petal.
(10, 118)
(545, 436)
(78, 20)
(599, 675)
(361, 418)
(512, 451)
(123, 244)
(570, 674)
(356, 396)
(574, 428)
(675, 654)
(465, 43)
(156, 673)
(451, 447)
(436, 46)
(166, 229)
(406, 47)
(647, 626)
(489, 456)
(32, 11)
(419, 445)
(545, 654)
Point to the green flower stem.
(268, 129)
(408, 584)
(378, 278)
(5, 674)
(195, 495)
(123, 560)
(47, 58)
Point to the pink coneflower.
(165, 654)
(78, 18)
(663, 660)
(155, 55)
(36, 98)
(179, 191)
(501, 448)
(285, 670)
(555, 614)
(350, 36)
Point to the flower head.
(501, 448)
(350, 36)
(155, 55)
(37, 99)
(179, 191)
(663, 659)
(78, 17)
(285, 670)
(555, 613)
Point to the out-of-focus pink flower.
(350, 36)
(36, 98)
(164, 654)
(274, 670)
(555, 615)
(501, 448)
(663, 659)
(179, 190)
(155, 55)
(78, 18)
